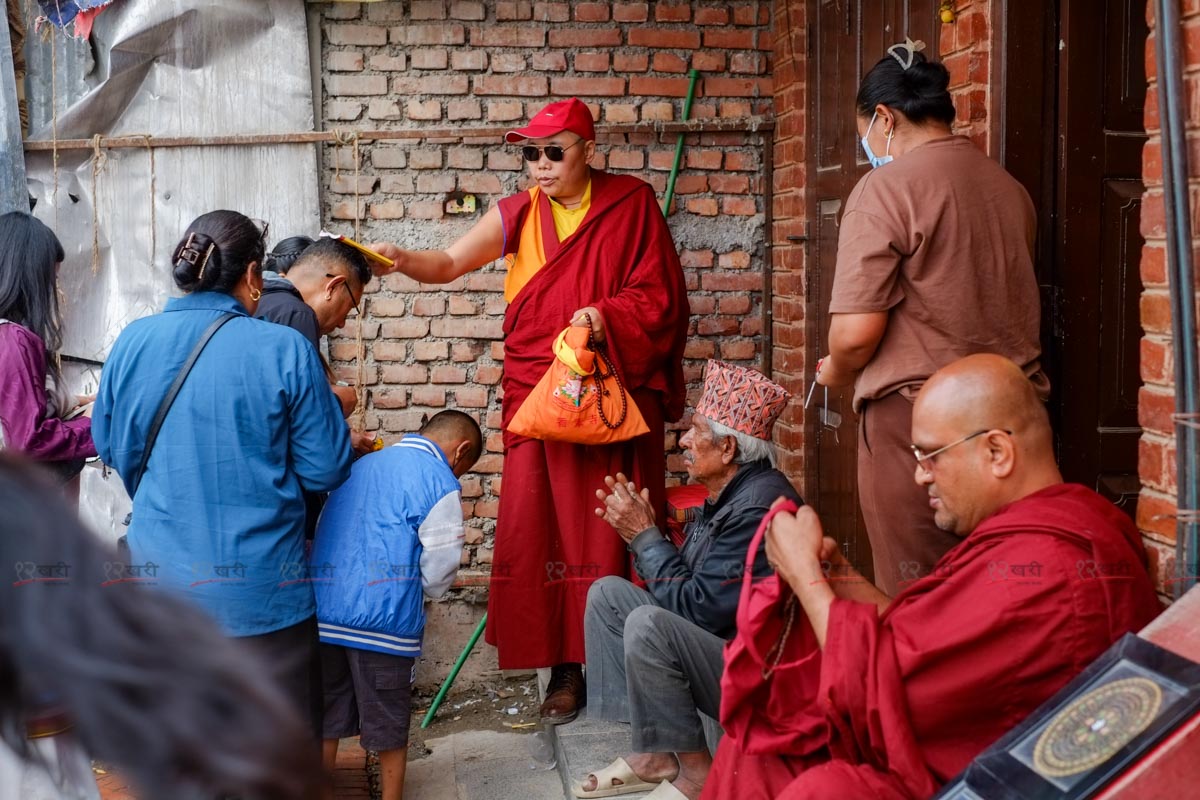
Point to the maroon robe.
(550, 546)
(1009, 617)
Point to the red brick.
(504, 160)
(386, 63)
(504, 110)
(699, 348)
(591, 12)
(464, 109)
(471, 397)
(672, 12)
(691, 184)
(479, 183)
(737, 87)
(703, 159)
(508, 36)
(591, 62)
(729, 39)
(553, 61)
(408, 328)
(651, 36)
(425, 159)
(631, 62)
(744, 162)
(460, 305)
(748, 63)
(626, 159)
(585, 37)
(739, 206)
(345, 209)
(524, 86)
(750, 14)
(702, 206)
(1156, 312)
(658, 87)
(448, 374)
(1156, 362)
(455, 328)
(735, 259)
(356, 85)
(551, 12)
(1156, 409)
(620, 112)
(709, 60)
(717, 326)
(729, 184)
(428, 9)
(463, 9)
(344, 61)
(488, 375)
(468, 60)
(631, 12)
(669, 62)
(428, 396)
(467, 351)
(514, 11)
(431, 84)
(508, 62)
(588, 87)
(712, 16)
(734, 305)
(730, 282)
(430, 351)
(1156, 514)
(366, 35)
(737, 351)
(429, 34)
(387, 209)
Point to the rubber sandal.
(617, 770)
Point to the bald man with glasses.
(906, 690)
(582, 247)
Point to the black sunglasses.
(554, 152)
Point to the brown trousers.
(905, 543)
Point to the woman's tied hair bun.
(192, 260)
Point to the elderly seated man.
(903, 693)
(642, 643)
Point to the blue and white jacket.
(389, 536)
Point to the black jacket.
(702, 580)
(282, 303)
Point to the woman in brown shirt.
(935, 262)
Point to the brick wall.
(789, 218)
(1156, 403)
(965, 48)
(473, 65)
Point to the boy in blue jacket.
(389, 536)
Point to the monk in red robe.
(582, 247)
(906, 691)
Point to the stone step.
(586, 745)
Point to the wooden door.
(1094, 344)
(846, 38)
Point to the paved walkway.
(473, 765)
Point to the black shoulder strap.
(165, 406)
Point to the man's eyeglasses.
(554, 152)
(925, 460)
(346, 286)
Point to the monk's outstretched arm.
(478, 246)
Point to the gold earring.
(255, 294)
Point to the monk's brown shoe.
(565, 694)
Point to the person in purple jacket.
(34, 400)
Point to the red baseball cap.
(562, 115)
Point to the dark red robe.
(1010, 615)
(550, 546)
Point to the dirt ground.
(499, 704)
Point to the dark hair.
(919, 92)
(213, 254)
(284, 254)
(29, 253)
(148, 681)
(331, 250)
(451, 424)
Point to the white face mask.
(876, 161)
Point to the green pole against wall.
(446, 684)
(694, 75)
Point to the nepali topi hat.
(742, 399)
(562, 115)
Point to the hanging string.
(351, 138)
(98, 159)
(153, 222)
(54, 120)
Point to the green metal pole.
(694, 75)
(446, 684)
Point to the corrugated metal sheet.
(163, 68)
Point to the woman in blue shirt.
(219, 513)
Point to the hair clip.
(911, 47)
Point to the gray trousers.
(650, 667)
